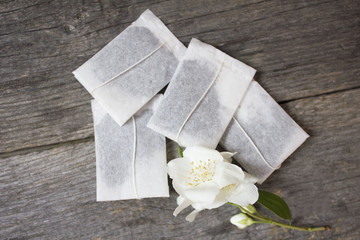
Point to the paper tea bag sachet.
(261, 133)
(202, 96)
(133, 67)
(130, 160)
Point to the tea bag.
(202, 96)
(132, 68)
(262, 134)
(130, 160)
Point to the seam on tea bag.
(199, 101)
(129, 68)
(253, 143)
(134, 157)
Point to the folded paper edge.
(149, 20)
(246, 72)
(213, 54)
(304, 136)
(152, 104)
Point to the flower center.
(201, 172)
(229, 188)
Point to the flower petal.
(183, 203)
(179, 188)
(250, 178)
(245, 194)
(192, 215)
(180, 199)
(241, 220)
(201, 153)
(227, 156)
(220, 200)
(178, 169)
(203, 193)
(227, 173)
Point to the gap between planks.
(319, 95)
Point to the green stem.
(270, 221)
(260, 215)
(259, 222)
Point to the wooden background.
(307, 54)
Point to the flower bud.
(250, 208)
(241, 220)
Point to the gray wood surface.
(307, 55)
(299, 49)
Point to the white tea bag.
(130, 160)
(202, 96)
(261, 133)
(133, 67)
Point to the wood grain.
(300, 49)
(307, 54)
(50, 194)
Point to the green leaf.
(180, 151)
(275, 204)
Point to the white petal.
(178, 169)
(184, 203)
(237, 219)
(220, 200)
(192, 215)
(179, 188)
(250, 178)
(227, 173)
(180, 199)
(227, 156)
(203, 193)
(245, 194)
(201, 153)
(198, 206)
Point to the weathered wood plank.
(299, 48)
(51, 194)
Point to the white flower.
(241, 220)
(205, 179)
